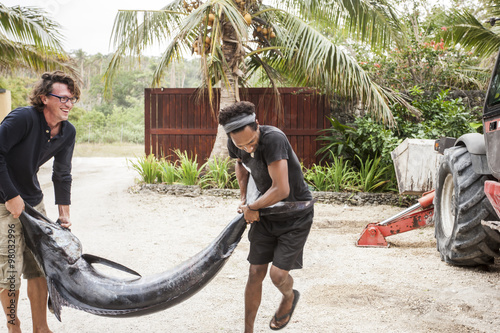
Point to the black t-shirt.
(273, 146)
(25, 145)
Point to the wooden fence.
(175, 119)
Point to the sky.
(87, 24)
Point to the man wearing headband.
(265, 153)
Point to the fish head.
(49, 240)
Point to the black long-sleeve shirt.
(25, 145)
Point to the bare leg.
(284, 282)
(253, 294)
(9, 301)
(38, 294)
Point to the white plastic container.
(416, 164)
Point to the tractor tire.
(459, 206)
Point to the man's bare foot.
(282, 316)
(14, 328)
(42, 330)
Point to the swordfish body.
(73, 281)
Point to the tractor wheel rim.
(448, 206)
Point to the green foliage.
(338, 140)
(148, 168)
(168, 173)
(365, 139)
(337, 176)
(188, 172)
(219, 174)
(19, 87)
(371, 176)
(368, 144)
(29, 39)
(441, 116)
(422, 57)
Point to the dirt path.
(404, 288)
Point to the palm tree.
(237, 39)
(28, 39)
(477, 33)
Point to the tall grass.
(167, 172)
(187, 170)
(148, 168)
(219, 174)
(371, 175)
(338, 176)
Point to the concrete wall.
(5, 103)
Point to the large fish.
(72, 280)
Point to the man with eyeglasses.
(29, 137)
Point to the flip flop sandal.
(277, 319)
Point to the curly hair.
(233, 110)
(44, 87)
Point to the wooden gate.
(176, 119)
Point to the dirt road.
(404, 288)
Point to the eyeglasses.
(64, 99)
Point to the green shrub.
(337, 176)
(372, 175)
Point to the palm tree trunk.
(229, 92)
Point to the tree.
(28, 39)
(243, 38)
(474, 31)
(420, 58)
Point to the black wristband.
(253, 210)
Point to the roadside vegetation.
(413, 53)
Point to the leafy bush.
(441, 116)
(371, 176)
(368, 144)
(365, 139)
(337, 176)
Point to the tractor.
(465, 203)
(467, 189)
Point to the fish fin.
(91, 259)
(55, 300)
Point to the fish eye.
(48, 231)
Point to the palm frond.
(312, 60)
(372, 22)
(29, 25)
(472, 35)
(30, 40)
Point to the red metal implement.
(374, 233)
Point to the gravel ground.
(403, 288)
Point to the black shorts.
(279, 242)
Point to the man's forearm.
(242, 177)
(64, 211)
